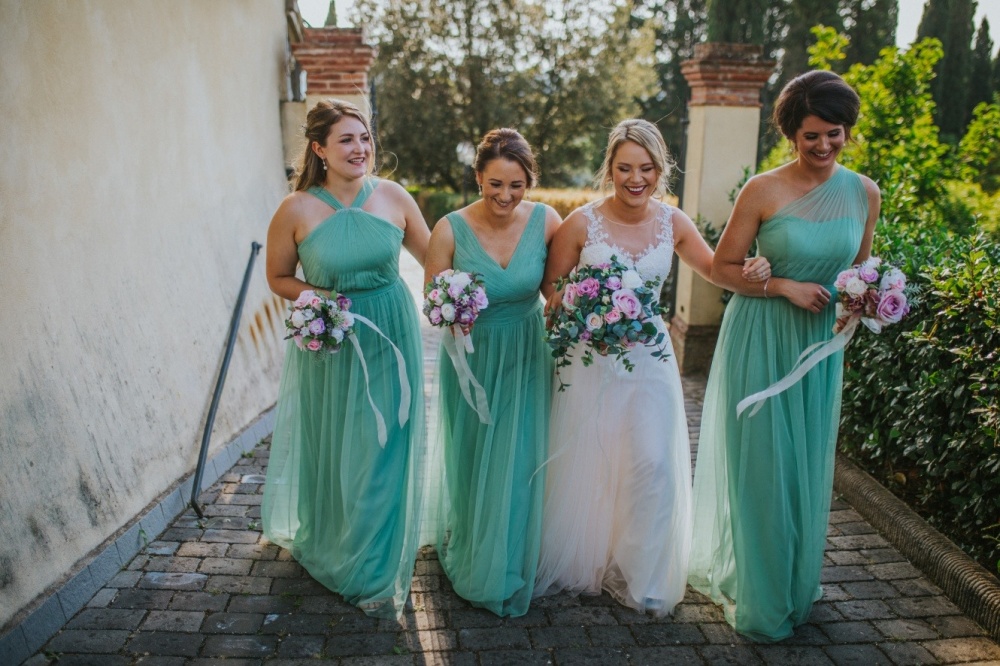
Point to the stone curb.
(53, 608)
(973, 589)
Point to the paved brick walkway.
(215, 591)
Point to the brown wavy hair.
(817, 93)
(508, 144)
(319, 122)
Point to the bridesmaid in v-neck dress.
(489, 512)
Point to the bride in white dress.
(617, 507)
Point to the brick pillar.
(724, 115)
(336, 62)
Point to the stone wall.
(142, 154)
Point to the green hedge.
(920, 407)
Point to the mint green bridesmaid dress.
(763, 483)
(346, 507)
(490, 510)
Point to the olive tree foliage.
(448, 71)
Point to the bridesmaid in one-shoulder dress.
(489, 512)
(763, 483)
(344, 502)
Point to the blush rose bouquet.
(876, 298)
(455, 298)
(608, 309)
(320, 323)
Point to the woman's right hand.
(553, 303)
(806, 295)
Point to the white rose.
(855, 287)
(337, 334)
(448, 312)
(459, 280)
(594, 321)
(298, 319)
(631, 280)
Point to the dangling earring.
(324, 163)
(480, 189)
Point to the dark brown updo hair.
(817, 93)
(319, 121)
(508, 144)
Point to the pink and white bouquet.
(319, 323)
(610, 309)
(876, 298)
(455, 298)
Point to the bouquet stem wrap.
(457, 345)
(404, 384)
(808, 359)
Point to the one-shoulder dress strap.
(324, 195)
(371, 182)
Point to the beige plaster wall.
(713, 169)
(142, 154)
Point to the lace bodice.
(652, 263)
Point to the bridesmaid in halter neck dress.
(342, 500)
(763, 482)
(489, 513)
(617, 511)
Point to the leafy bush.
(564, 201)
(920, 403)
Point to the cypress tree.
(871, 26)
(801, 17)
(331, 15)
(981, 79)
(950, 21)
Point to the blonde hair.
(319, 122)
(645, 134)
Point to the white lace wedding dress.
(617, 508)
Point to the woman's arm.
(564, 254)
(416, 235)
(874, 209)
(282, 252)
(440, 250)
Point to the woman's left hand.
(756, 269)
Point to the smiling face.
(347, 150)
(504, 184)
(633, 174)
(818, 143)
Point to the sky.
(314, 11)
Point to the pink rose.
(479, 296)
(614, 283)
(892, 307)
(844, 277)
(613, 315)
(569, 296)
(435, 316)
(868, 273)
(589, 287)
(305, 298)
(434, 296)
(627, 303)
(314, 345)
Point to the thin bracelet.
(765, 287)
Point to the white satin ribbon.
(807, 360)
(466, 381)
(404, 384)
